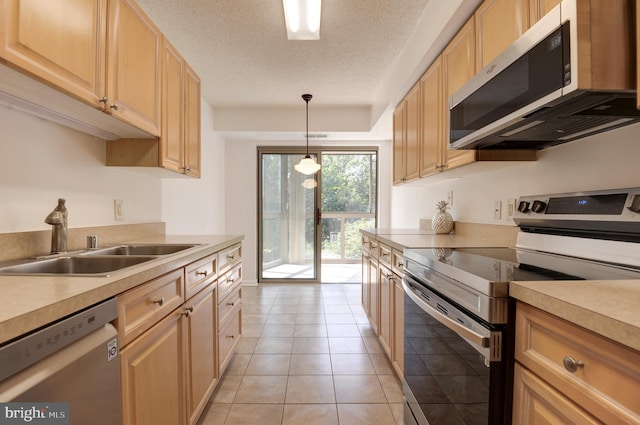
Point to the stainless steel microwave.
(569, 76)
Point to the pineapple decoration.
(442, 222)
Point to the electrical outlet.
(511, 208)
(118, 214)
(450, 197)
(497, 210)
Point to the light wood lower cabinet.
(151, 373)
(383, 297)
(562, 364)
(174, 347)
(385, 331)
(200, 323)
(536, 402)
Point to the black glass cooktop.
(507, 264)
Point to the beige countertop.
(30, 302)
(466, 235)
(607, 308)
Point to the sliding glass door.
(288, 219)
(309, 226)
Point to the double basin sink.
(93, 262)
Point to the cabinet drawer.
(200, 273)
(373, 248)
(397, 262)
(606, 380)
(142, 307)
(228, 337)
(384, 255)
(229, 281)
(228, 304)
(536, 402)
(229, 256)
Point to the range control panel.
(622, 204)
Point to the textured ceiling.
(240, 50)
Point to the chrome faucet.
(58, 219)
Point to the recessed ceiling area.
(369, 54)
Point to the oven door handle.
(473, 337)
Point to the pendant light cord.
(307, 98)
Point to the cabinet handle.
(115, 107)
(104, 100)
(231, 336)
(204, 273)
(231, 256)
(187, 311)
(231, 280)
(400, 264)
(186, 169)
(572, 364)
(231, 304)
(159, 301)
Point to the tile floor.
(308, 356)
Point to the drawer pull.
(187, 311)
(204, 273)
(231, 304)
(231, 280)
(159, 301)
(231, 336)
(572, 364)
(231, 256)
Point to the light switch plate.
(118, 214)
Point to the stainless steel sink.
(75, 265)
(140, 249)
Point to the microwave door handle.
(468, 334)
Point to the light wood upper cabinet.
(33, 31)
(133, 64)
(539, 8)
(178, 148)
(399, 135)
(105, 53)
(498, 24)
(458, 67)
(432, 143)
(406, 128)
(172, 137)
(192, 123)
(180, 138)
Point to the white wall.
(241, 189)
(604, 161)
(196, 206)
(41, 161)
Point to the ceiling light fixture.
(302, 18)
(307, 165)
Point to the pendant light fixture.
(307, 165)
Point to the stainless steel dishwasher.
(74, 361)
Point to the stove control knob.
(523, 206)
(635, 204)
(538, 206)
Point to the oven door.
(455, 366)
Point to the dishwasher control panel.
(21, 353)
